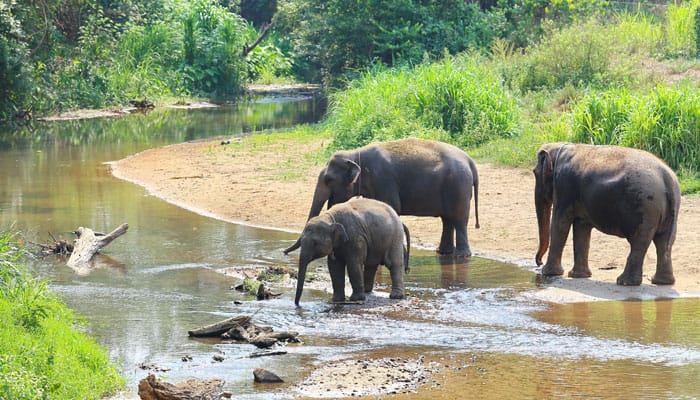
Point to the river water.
(162, 278)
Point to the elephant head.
(320, 236)
(544, 194)
(336, 184)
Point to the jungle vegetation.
(44, 351)
(495, 76)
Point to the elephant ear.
(352, 173)
(545, 164)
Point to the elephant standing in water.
(620, 191)
(414, 176)
(360, 234)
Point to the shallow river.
(470, 321)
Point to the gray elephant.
(414, 176)
(619, 191)
(359, 234)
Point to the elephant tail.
(674, 199)
(407, 253)
(475, 183)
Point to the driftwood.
(88, 243)
(192, 389)
(265, 294)
(58, 247)
(217, 329)
(241, 329)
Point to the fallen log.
(219, 328)
(241, 329)
(89, 242)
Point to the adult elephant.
(620, 191)
(358, 235)
(414, 176)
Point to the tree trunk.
(88, 243)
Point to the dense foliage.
(337, 36)
(598, 80)
(458, 100)
(42, 353)
(64, 54)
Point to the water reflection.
(652, 321)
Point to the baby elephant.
(360, 234)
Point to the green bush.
(459, 100)
(43, 354)
(14, 65)
(665, 122)
(680, 29)
(577, 55)
(337, 38)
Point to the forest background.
(495, 77)
(473, 73)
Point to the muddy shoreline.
(271, 186)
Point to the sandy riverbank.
(271, 185)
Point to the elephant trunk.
(321, 195)
(301, 277)
(544, 217)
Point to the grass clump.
(43, 352)
(665, 122)
(458, 100)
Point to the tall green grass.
(458, 100)
(665, 122)
(680, 28)
(43, 352)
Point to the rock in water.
(265, 376)
(152, 389)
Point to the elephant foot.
(663, 279)
(444, 252)
(396, 294)
(549, 270)
(463, 253)
(626, 280)
(338, 299)
(581, 273)
(358, 297)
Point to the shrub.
(665, 122)
(680, 29)
(42, 353)
(459, 100)
(577, 55)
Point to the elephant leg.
(559, 232)
(369, 274)
(582, 243)
(463, 249)
(396, 267)
(336, 268)
(632, 275)
(447, 245)
(355, 273)
(664, 268)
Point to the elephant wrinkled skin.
(414, 176)
(360, 234)
(619, 191)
